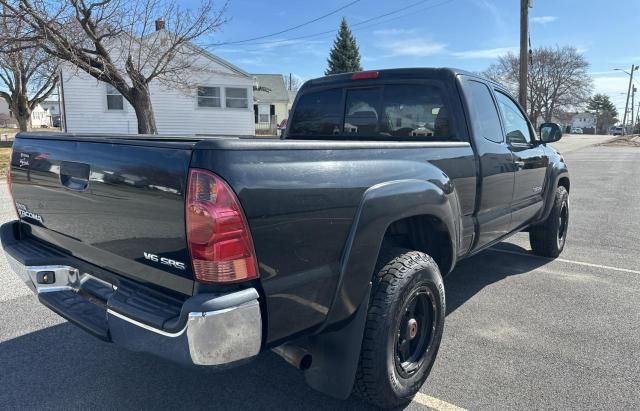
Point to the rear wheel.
(548, 239)
(404, 327)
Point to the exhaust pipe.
(294, 355)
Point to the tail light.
(217, 231)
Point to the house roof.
(202, 51)
(274, 83)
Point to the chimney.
(160, 24)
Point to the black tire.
(548, 239)
(383, 378)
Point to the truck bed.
(299, 196)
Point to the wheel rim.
(415, 332)
(563, 223)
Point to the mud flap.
(336, 354)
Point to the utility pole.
(524, 53)
(626, 106)
(633, 94)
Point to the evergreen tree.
(605, 111)
(345, 54)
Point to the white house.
(583, 120)
(6, 116)
(4, 108)
(40, 117)
(53, 106)
(271, 100)
(220, 101)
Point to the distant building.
(270, 101)
(7, 119)
(53, 106)
(4, 108)
(585, 121)
(292, 97)
(560, 120)
(40, 117)
(219, 101)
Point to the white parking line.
(434, 403)
(576, 160)
(604, 267)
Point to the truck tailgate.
(113, 202)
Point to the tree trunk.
(23, 122)
(20, 109)
(141, 102)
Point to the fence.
(270, 128)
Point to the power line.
(369, 20)
(294, 27)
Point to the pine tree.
(605, 111)
(345, 54)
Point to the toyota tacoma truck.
(327, 246)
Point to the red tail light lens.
(217, 231)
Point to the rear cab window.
(396, 112)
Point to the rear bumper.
(212, 330)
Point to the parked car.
(617, 131)
(328, 245)
(576, 130)
(55, 121)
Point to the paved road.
(521, 332)
(572, 142)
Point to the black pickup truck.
(327, 246)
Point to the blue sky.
(468, 34)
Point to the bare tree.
(122, 42)
(29, 74)
(292, 82)
(558, 80)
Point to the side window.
(484, 111)
(318, 114)
(208, 96)
(362, 112)
(416, 112)
(236, 97)
(115, 101)
(515, 124)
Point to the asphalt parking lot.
(521, 331)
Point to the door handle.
(74, 176)
(519, 164)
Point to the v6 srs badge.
(165, 261)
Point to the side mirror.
(550, 132)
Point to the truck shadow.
(473, 274)
(61, 367)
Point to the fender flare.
(342, 332)
(556, 174)
(337, 343)
(382, 205)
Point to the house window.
(115, 101)
(208, 96)
(263, 113)
(236, 97)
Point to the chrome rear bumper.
(212, 330)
